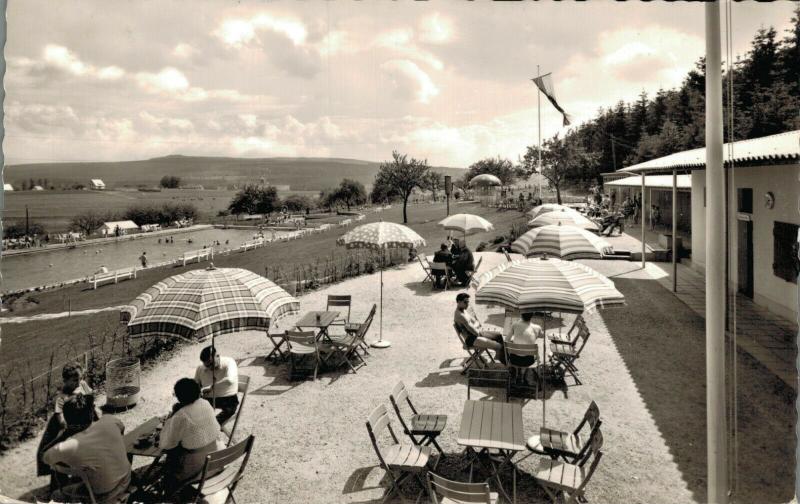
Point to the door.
(745, 261)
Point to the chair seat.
(445, 500)
(555, 440)
(563, 349)
(427, 424)
(343, 339)
(407, 457)
(559, 475)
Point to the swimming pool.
(55, 266)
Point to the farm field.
(55, 209)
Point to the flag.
(545, 85)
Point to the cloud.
(409, 80)
(184, 50)
(401, 42)
(61, 58)
(173, 83)
(436, 29)
(239, 32)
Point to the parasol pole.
(544, 370)
(213, 373)
(380, 343)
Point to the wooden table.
(319, 320)
(491, 425)
(144, 430)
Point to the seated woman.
(524, 332)
(190, 433)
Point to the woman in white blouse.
(190, 433)
(525, 332)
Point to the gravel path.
(644, 365)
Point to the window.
(785, 262)
(744, 200)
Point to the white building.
(97, 184)
(8, 187)
(124, 227)
(763, 213)
(38, 188)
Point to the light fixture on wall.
(769, 200)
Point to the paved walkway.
(766, 336)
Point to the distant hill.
(302, 174)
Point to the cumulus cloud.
(409, 81)
(239, 32)
(59, 57)
(436, 29)
(401, 42)
(184, 50)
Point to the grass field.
(31, 342)
(55, 209)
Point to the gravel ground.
(644, 365)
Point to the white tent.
(109, 228)
(8, 187)
(97, 184)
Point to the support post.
(674, 230)
(641, 219)
(716, 421)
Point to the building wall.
(783, 181)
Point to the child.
(73, 384)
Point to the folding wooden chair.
(444, 271)
(278, 340)
(565, 355)
(220, 471)
(303, 344)
(345, 348)
(426, 267)
(472, 273)
(455, 492)
(570, 446)
(558, 477)
(336, 301)
(573, 334)
(244, 385)
(400, 461)
(475, 353)
(521, 350)
(80, 472)
(428, 427)
(361, 328)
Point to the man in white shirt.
(219, 381)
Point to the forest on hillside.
(765, 85)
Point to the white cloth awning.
(653, 181)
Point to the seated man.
(96, 446)
(219, 379)
(442, 255)
(463, 265)
(474, 334)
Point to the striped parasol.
(566, 242)
(381, 236)
(563, 217)
(546, 284)
(208, 302)
(466, 223)
(548, 207)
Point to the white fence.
(252, 244)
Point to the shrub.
(481, 247)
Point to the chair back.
(522, 350)
(508, 256)
(592, 419)
(302, 342)
(340, 301)
(460, 335)
(244, 385)
(362, 330)
(398, 395)
(474, 270)
(439, 266)
(377, 423)
(595, 454)
(79, 472)
(583, 336)
(218, 466)
(457, 491)
(424, 262)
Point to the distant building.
(97, 184)
(38, 188)
(659, 193)
(124, 227)
(8, 187)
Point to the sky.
(446, 81)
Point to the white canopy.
(658, 181)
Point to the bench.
(200, 255)
(252, 244)
(115, 276)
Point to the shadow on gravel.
(662, 342)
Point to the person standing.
(143, 259)
(219, 378)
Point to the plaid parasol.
(563, 217)
(543, 284)
(548, 207)
(466, 223)
(380, 236)
(566, 242)
(210, 302)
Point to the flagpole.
(539, 130)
